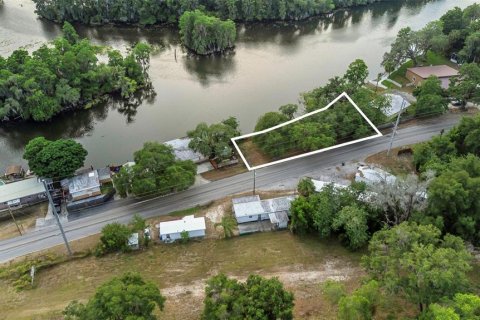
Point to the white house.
(249, 209)
(171, 230)
(252, 209)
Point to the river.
(270, 66)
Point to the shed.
(14, 172)
(104, 175)
(171, 230)
(279, 220)
(20, 193)
(443, 72)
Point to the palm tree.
(228, 224)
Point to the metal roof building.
(20, 193)
(250, 209)
(171, 230)
(183, 152)
(84, 186)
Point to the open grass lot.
(180, 272)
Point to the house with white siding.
(253, 214)
(171, 230)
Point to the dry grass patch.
(180, 270)
(397, 164)
(25, 217)
(225, 172)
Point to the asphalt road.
(94, 219)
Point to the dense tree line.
(341, 122)
(453, 194)
(456, 32)
(204, 34)
(332, 212)
(66, 75)
(152, 12)
(156, 171)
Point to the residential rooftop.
(187, 223)
(441, 71)
(20, 189)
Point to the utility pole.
(254, 178)
(55, 213)
(395, 128)
(15, 221)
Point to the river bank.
(271, 65)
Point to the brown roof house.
(443, 72)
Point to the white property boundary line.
(343, 95)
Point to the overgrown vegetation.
(125, 297)
(214, 141)
(67, 75)
(340, 123)
(257, 298)
(153, 12)
(18, 274)
(156, 171)
(453, 194)
(204, 34)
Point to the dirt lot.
(25, 218)
(397, 164)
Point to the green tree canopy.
(361, 304)
(414, 261)
(465, 87)
(463, 306)
(257, 298)
(123, 298)
(67, 75)
(114, 238)
(204, 34)
(54, 159)
(214, 141)
(156, 171)
(306, 187)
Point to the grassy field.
(180, 271)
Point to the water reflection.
(271, 65)
(210, 68)
(128, 107)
